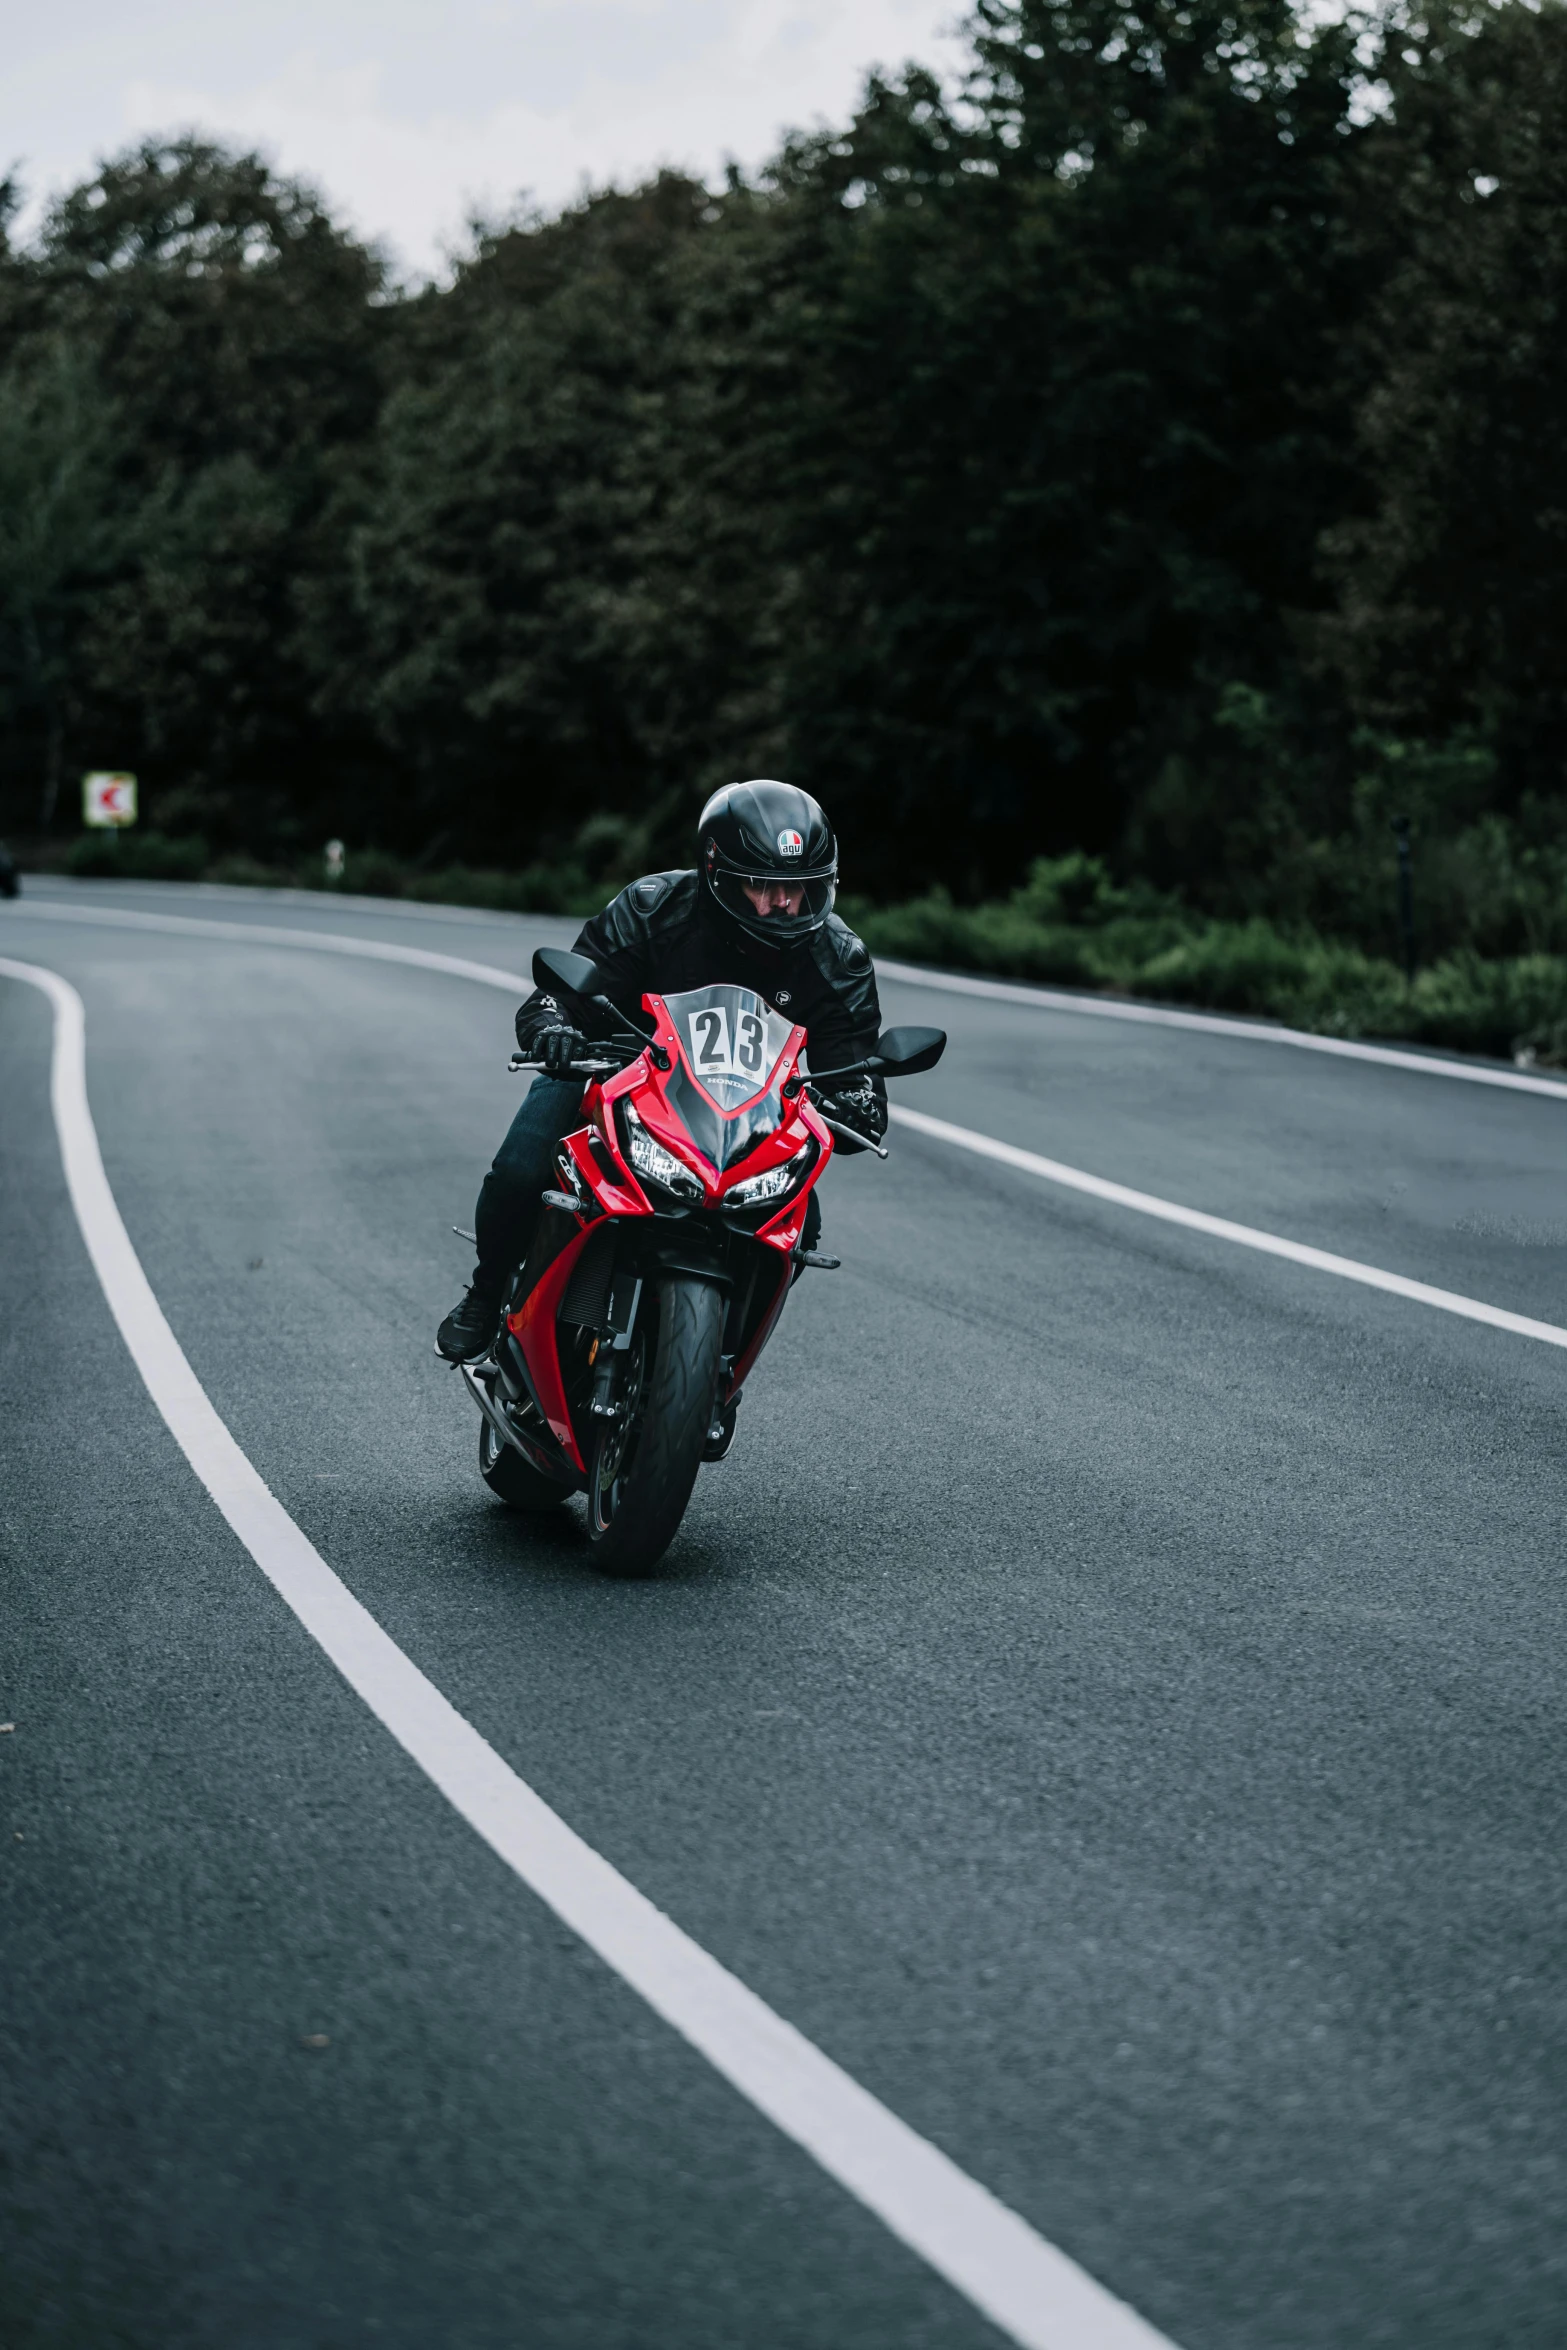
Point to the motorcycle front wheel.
(645, 1462)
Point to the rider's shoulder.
(840, 949)
(644, 903)
(657, 891)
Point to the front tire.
(512, 1479)
(644, 1466)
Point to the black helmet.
(760, 832)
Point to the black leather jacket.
(658, 935)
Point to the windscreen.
(731, 1041)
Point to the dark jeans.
(509, 1204)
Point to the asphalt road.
(1110, 1700)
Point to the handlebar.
(586, 1069)
(572, 1068)
(849, 1133)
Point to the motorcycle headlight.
(651, 1160)
(757, 1188)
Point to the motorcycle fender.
(684, 1248)
(763, 1332)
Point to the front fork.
(611, 1357)
(614, 1391)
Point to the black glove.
(862, 1108)
(558, 1047)
(545, 1033)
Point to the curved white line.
(1297, 1252)
(249, 893)
(909, 974)
(1037, 2296)
(278, 934)
(1213, 1024)
(1119, 1195)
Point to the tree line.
(1149, 445)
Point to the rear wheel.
(645, 1463)
(513, 1479)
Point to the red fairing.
(786, 1227)
(533, 1327)
(604, 1178)
(646, 1088)
(601, 1172)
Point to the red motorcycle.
(660, 1265)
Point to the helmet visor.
(778, 907)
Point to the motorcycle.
(659, 1268)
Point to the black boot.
(469, 1329)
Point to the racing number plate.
(732, 1039)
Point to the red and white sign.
(108, 799)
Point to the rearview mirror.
(556, 969)
(582, 983)
(904, 1052)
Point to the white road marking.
(247, 893)
(1213, 1024)
(1032, 2291)
(910, 974)
(1143, 1203)
(327, 942)
(1147, 1203)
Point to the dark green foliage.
(1454, 577)
(551, 597)
(1079, 348)
(1070, 925)
(191, 347)
(1143, 456)
(62, 540)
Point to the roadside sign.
(108, 799)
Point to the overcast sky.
(408, 113)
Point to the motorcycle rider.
(756, 911)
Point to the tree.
(558, 588)
(60, 445)
(1452, 579)
(1079, 413)
(234, 334)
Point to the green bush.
(242, 872)
(371, 873)
(132, 856)
(537, 889)
(1069, 923)
(1517, 1005)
